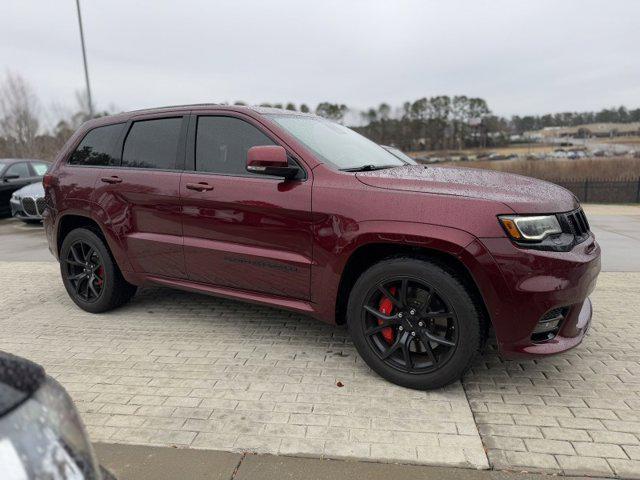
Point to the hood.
(33, 190)
(521, 194)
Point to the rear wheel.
(414, 323)
(89, 273)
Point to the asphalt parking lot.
(178, 369)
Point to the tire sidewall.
(447, 286)
(108, 286)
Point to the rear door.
(242, 230)
(141, 194)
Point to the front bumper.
(533, 282)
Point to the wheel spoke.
(77, 284)
(439, 340)
(404, 285)
(379, 314)
(77, 276)
(406, 351)
(76, 258)
(438, 316)
(380, 327)
(425, 304)
(89, 254)
(86, 290)
(387, 294)
(427, 347)
(395, 346)
(92, 287)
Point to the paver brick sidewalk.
(174, 368)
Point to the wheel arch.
(371, 253)
(72, 220)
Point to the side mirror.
(270, 160)
(6, 178)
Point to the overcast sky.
(526, 56)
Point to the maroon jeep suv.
(295, 211)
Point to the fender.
(332, 252)
(95, 213)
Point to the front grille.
(575, 223)
(41, 205)
(33, 206)
(29, 206)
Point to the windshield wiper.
(367, 168)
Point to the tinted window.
(20, 169)
(222, 144)
(96, 147)
(152, 144)
(40, 168)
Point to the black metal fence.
(604, 191)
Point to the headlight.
(530, 228)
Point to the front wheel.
(414, 323)
(89, 273)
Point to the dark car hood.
(522, 194)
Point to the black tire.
(113, 291)
(424, 367)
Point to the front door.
(242, 230)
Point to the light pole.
(84, 59)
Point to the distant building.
(587, 131)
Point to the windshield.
(400, 154)
(336, 144)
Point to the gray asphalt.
(618, 235)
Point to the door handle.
(199, 187)
(112, 179)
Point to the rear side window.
(222, 144)
(152, 144)
(40, 168)
(96, 148)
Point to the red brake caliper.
(385, 307)
(100, 274)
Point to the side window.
(96, 147)
(40, 168)
(222, 144)
(20, 169)
(152, 144)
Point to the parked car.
(396, 152)
(295, 211)
(15, 174)
(27, 203)
(41, 433)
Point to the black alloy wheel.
(415, 322)
(85, 271)
(90, 274)
(418, 333)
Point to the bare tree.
(19, 110)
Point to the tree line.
(428, 123)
